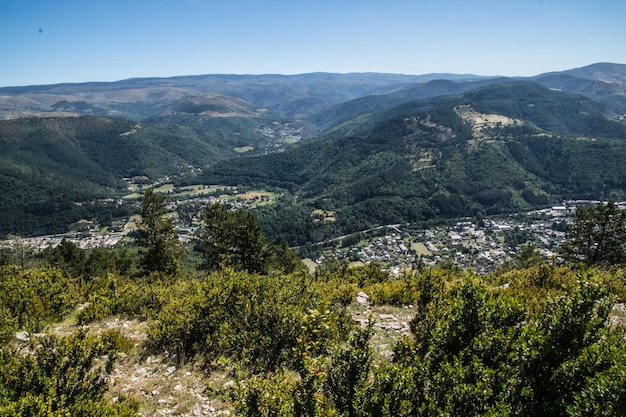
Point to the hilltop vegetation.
(540, 340)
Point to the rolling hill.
(50, 167)
(495, 149)
(348, 150)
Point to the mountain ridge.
(397, 152)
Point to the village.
(482, 245)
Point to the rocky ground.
(165, 390)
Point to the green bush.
(30, 298)
(61, 376)
(402, 292)
(251, 319)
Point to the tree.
(528, 256)
(157, 236)
(286, 259)
(598, 235)
(233, 239)
(68, 257)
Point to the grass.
(195, 190)
(421, 249)
(132, 222)
(165, 188)
(259, 197)
(312, 266)
(132, 196)
(243, 149)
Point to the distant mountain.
(602, 81)
(233, 125)
(602, 71)
(375, 103)
(137, 99)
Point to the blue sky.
(48, 41)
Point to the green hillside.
(48, 165)
(389, 148)
(496, 149)
(230, 123)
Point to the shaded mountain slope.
(49, 167)
(232, 124)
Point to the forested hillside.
(50, 164)
(496, 149)
(385, 148)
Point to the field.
(258, 198)
(195, 190)
(421, 249)
(243, 149)
(310, 264)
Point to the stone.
(22, 336)
(363, 299)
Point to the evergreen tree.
(68, 257)
(157, 236)
(233, 239)
(598, 235)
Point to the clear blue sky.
(52, 41)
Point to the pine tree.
(162, 250)
(233, 239)
(598, 235)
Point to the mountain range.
(370, 148)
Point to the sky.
(56, 41)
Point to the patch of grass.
(421, 249)
(312, 266)
(165, 188)
(259, 198)
(195, 190)
(243, 149)
(132, 196)
(132, 222)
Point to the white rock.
(22, 336)
(363, 299)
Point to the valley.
(482, 245)
(315, 244)
(372, 149)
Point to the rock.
(363, 322)
(363, 299)
(170, 370)
(22, 336)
